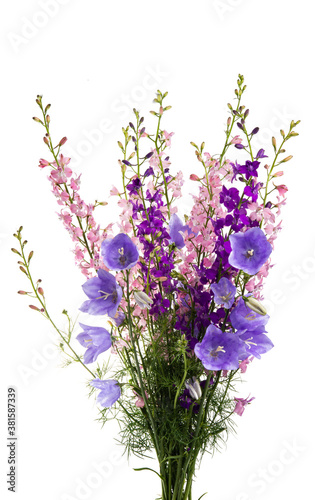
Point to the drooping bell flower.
(255, 341)
(176, 228)
(219, 350)
(109, 391)
(95, 339)
(250, 250)
(119, 253)
(244, 318)
(104, 293)
(142, 299)
(224, 292)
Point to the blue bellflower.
(176, 227)
(255, 342)
(244, 318)
(219, 350)
(96, 339)
(104, 293)
(250, 250)
(110, 391)
(119, 253)
(224, 292)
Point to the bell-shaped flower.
(142, 299)
(109, 391)
(224, 292)
(255, 341)
(95, 339)
(250, 250)
(176, 228)
(104, 293)
(244, 318)
(119, 253)
(219, 350)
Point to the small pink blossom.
(282, 189)
(167, 137)
(240, 405)
(236, 140)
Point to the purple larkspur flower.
(249, 169)
(104, 293)
(176, 227)
(96, 339)
(244, 318)
(252, 190)
(219, 350)
(119, 253)
(109, 391)
(255, 341)
(230, 198)
(224, 292)
(250, 250)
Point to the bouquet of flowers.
(179, 295)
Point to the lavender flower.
(119, 253)
(95, 339)
(219, 350)
(176, 227)
(110, 391)
(255, 343)
(244, 318)
(250, 250)
(104, 293)
(224, 292)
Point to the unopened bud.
(62, 141)
(142, 299)
(255, 305)
(40, 291)
(194, 388)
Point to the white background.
(87, 58)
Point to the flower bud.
(255, 305)
(194, 388)
(142, 299)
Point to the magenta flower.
(95, 339)
(240, 405)
(104, 293)
(119, 253)
(110, 391)
(250, 250)
(224, 292)
(219, 350)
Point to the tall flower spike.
(119, 253)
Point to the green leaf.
(148, 468)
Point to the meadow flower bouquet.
(181, 294)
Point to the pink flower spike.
(240, 405)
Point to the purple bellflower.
(224, 292)
(244, 318)
(104, 293)
(110, 391)
(119, 253)
(250, 250)
(219, 350)
(96, 339)
(176, 227)
(255, 342)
